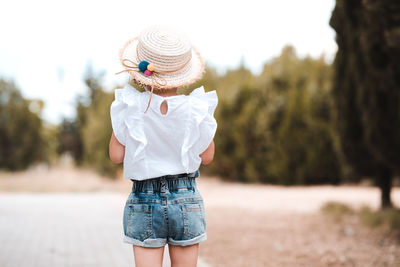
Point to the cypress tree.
(366, 87)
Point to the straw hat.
(162, 57)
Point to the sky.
(46, 46)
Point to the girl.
(162, 138)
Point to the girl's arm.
(208, 155)
(116, 150)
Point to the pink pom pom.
(147, 72)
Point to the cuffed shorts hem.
(148, 243)
(197, 239)
(160, 242)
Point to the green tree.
(69, 140)
(21, 129)
(93, 122)
(303, 150)
(276, 127)
(366, 87)
(96, 134)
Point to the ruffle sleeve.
(117, 114)
(125, 103)
(204, 105)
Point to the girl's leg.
(184, 256)
(148, 257)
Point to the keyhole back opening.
(164, 107)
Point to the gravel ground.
(255, 225)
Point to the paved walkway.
(64, 230)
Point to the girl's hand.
(208, 155)
(116, 150)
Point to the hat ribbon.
(155, 77)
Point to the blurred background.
(306, 169)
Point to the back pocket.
(193, 219)
(138, 221)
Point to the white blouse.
(158, 144)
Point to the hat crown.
(165, 48)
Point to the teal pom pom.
(143, 65)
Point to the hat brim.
(190, 73)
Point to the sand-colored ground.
(255, 225)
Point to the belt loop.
(133, 185)
(163, 185)
(193, 184)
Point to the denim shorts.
(164, 210)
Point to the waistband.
(171, 182)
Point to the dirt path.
(257, 225)
(248, 238)
(262, 225)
